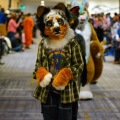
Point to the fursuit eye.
(49, 23)
(60, 21)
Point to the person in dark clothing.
(1, 50)
(117, 56)
(3, 16)
(83, 78)
(17, 43)
(116, 44)
(3, 19)
(20, 21)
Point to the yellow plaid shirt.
(74, 62)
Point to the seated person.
(17, 43)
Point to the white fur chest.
(86, 32)
(59, 44)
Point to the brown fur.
(90, 69)
(95, 48)
(50, 34)
(64, 74)
(40, 74)
(95, 70)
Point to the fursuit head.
(53, 24)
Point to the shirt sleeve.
(38, 60)
(76, 65)
(16, 25)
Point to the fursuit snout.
(57, 30)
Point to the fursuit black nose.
(56, 29)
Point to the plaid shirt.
(74, 62)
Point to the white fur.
(78, 31)
(53, 14)
(85, 93)
(86, 33)
(58, 44)
(59, 87)
(46, 80)
(98, 55)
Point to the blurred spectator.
(98, 25)
(17, 43)
(3, 19)
(114, 29)
(35, 26)
(91, 19)
(8, 14)
(116, 17)
(20, 21)
(1, 49)
(107, 27)
(117, 47)
(12, 27)
(28, 25)
(106, 23)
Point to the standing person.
(74, 22)
(20, 21)
(3, 16)
(35, 26)
(12, 27)
(1, 49)
(107, 27)
(3, 19)
(59, 64)
(117, 54)
(28, 25)
(98, 25)
(93, 48)
(115, 17)
(117, 46)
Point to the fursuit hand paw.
(46, 80)
(43, 77)
(62, 78)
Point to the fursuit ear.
(75, 10)
(40, 10)
(60, 6)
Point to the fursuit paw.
(46, 80)
(86, 95)
(43, 77)
(62, 78)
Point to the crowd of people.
(17, 31)
(108, 32)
